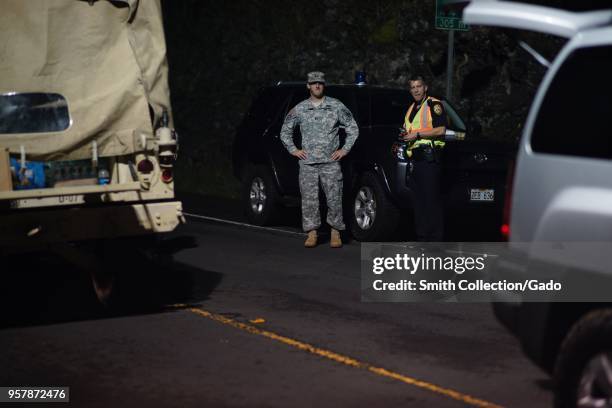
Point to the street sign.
(448, 15)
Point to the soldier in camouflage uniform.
(319, 118)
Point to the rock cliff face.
(220, 53)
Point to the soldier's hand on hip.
(300, 154)
(338, 154)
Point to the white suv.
(562, 191)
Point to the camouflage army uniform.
(319, 127)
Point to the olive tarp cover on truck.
(108, 60)
(104, 63)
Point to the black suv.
(376, 172)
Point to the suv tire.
(585, 356)
(260, 196)
(373, 216)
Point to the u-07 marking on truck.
(48, 201)
(72, 199)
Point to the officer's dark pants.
(428, 208)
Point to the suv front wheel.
(373, 216)
(260, 197)
(583, 372)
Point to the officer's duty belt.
(427, 153)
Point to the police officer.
(319, 118)
(424, 128)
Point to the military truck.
(87, 145)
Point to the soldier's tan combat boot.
(335, 241)
(311, 241)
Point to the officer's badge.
(437, 109)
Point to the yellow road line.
(447, 392)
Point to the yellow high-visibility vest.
(421, 122)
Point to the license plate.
(482, 194)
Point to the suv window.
(265, 108)
(346, 96)
(577, 123)
(298, 96)
(363, 107)
(389, 108)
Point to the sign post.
(448, 17)
(449, 64)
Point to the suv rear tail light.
(145, 166)
(505, 227)
(166, 175)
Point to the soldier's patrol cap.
(316, 76)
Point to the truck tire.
(128, 273)
(583, 371)
(103, 286)
(260, 197)
(373, 216)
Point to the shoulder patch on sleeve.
(292, 113)
(437, 108)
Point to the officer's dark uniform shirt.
(438, 115)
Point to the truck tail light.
(167, 142)
(167, 157)
(145, 166)
(166, 175)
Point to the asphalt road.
(247, 317)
